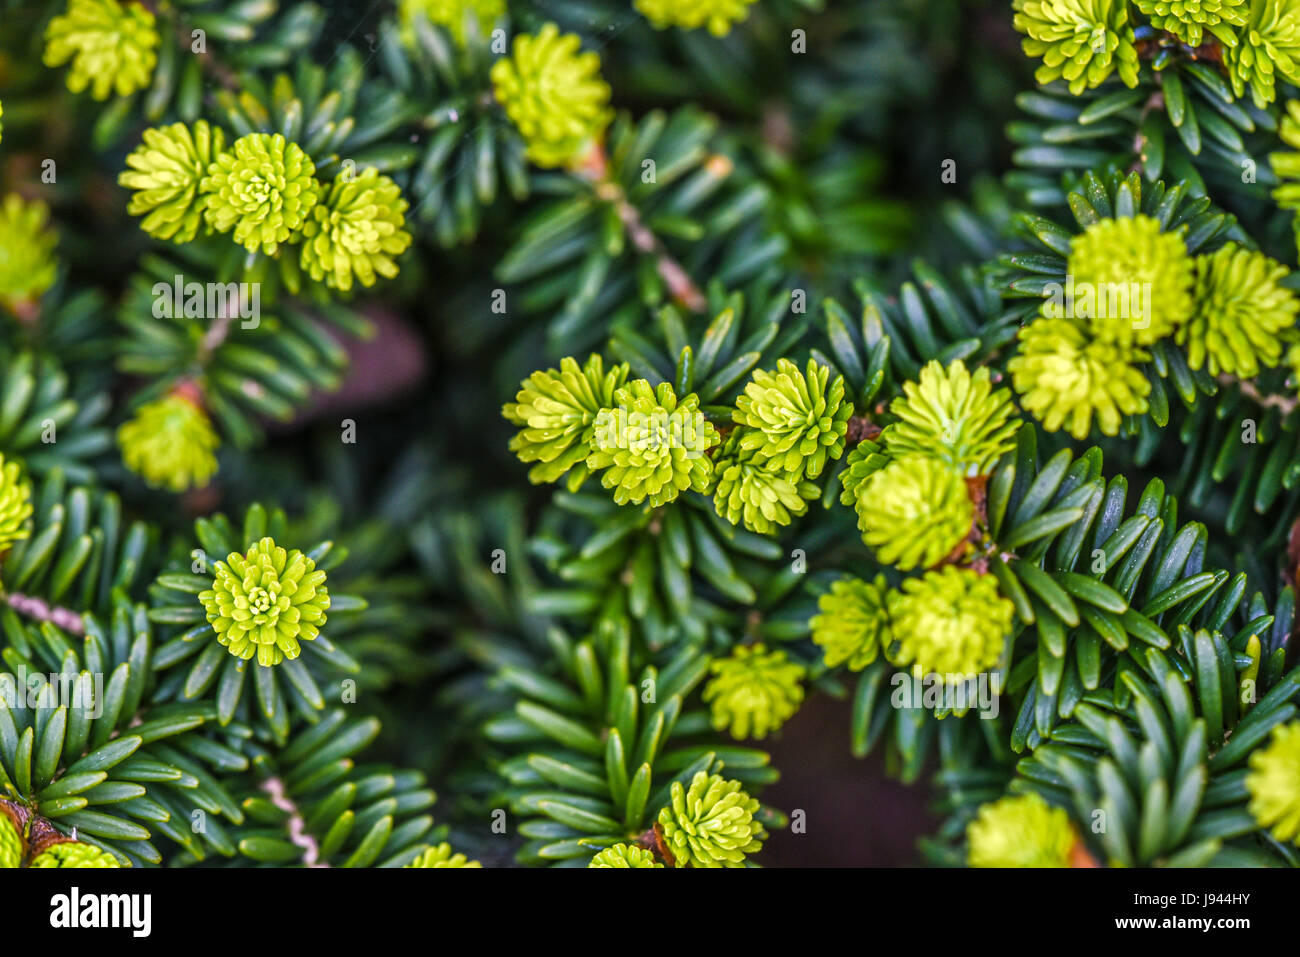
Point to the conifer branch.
(595, 169)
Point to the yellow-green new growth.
(355, 229)
(915, 512)
(13, 847)
(718, 15)
(652, 445)
(1079, 41)
(953, 416)
(1286, 163)
(74, 854)
(1243, 313)
(263, 188)
(454, 15)
(554, 95)
(556, 411)
(27, 264)
(1132, 281)
(1066, 378)
(1268, 49)
(863, 461)
(170, 443)
(853, 625)
(266, 601)
(951, 621)
(441, 855)
(15, 504)
(1190, 20)
(754, 691)
(797, 420)
(1022, 831)
(751, 492)
(165, 171)
(624, 856)
(112, 46)
(1292, 360)
(712, 823)
(1274, 784)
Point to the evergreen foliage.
(535, 401)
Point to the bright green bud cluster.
(1079, 41)
(1286, 164)
(652, 444)
(1293, 363)
(1132, 281)
(717, 15)
(12, 845)
(2, 126)
(74, 854)
(355, 229)
(1243, 313)
(712, 823)
(754, 691)
(797, 421)
(1268, 49)
(953, 416)
(263, 188)
(1022, 831)
(863, 461)
(748, 490)
(441, 856)
(1189, 20)
(15, 504)
(1274, 783)
(854, 624)
(266, 601)
(950, 621)
(454, 15)
(27, 265)
(111, 45)
(166, 171)
(556, 412)
(1065, 378)
(554, 95)
(624, 856)
(170, 443)
(915, 511)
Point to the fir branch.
(595, 169)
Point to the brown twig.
(861, 429)
(1286, 403)
(1150, 47)
(43, 835)
(26, 311)
(297, 827)
(1156, 101)
(595, 168)
(653, 840)
(39, 610)
(1080, 856)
